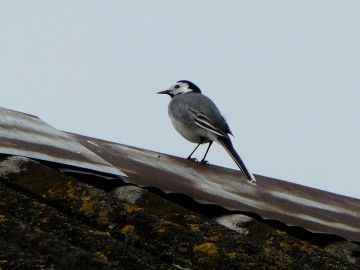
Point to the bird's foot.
(252, 181)
(204, 161)
(192, 159)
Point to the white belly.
(189, 133)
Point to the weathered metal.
(292, 204)
(27, 135)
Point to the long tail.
(227, 144)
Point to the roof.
(296, 205)
(58, 211)
(27, 135)
(50, 220)
(292, 204)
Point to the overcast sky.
(285, 74)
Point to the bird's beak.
(167, 92)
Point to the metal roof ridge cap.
(20, 121)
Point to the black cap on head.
(192, 86)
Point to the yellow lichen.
(96, 232)
(45, 220)
(215, 237)
(194, 228)
(296, 246)
(308, 247)
(207, 248)
(102, 203)
(101, 256)
(252, 264)
(51, 192)
(36, 203)
(132, 208)
(71, 192)
(128, 230)
(285, 245)
(279, 263)
(104, 216)
(232, 255)
(161, 230)
(183, 249)
(2, 218)
(87, 208)
(280, 232)
(168, 222)
(191, 218)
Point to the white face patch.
(180, 88)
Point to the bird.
(197, 119)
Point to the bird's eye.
(177, 86)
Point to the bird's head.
(181, 87)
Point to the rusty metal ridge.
(296, 205)
(26, 135)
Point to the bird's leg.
(207, 150)
(189, 157)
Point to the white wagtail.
(198, 120)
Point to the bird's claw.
(252, 182)
(204, 161)
(192, 159)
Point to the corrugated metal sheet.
(293, 204)
(26, 135)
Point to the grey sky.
(284, 73)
